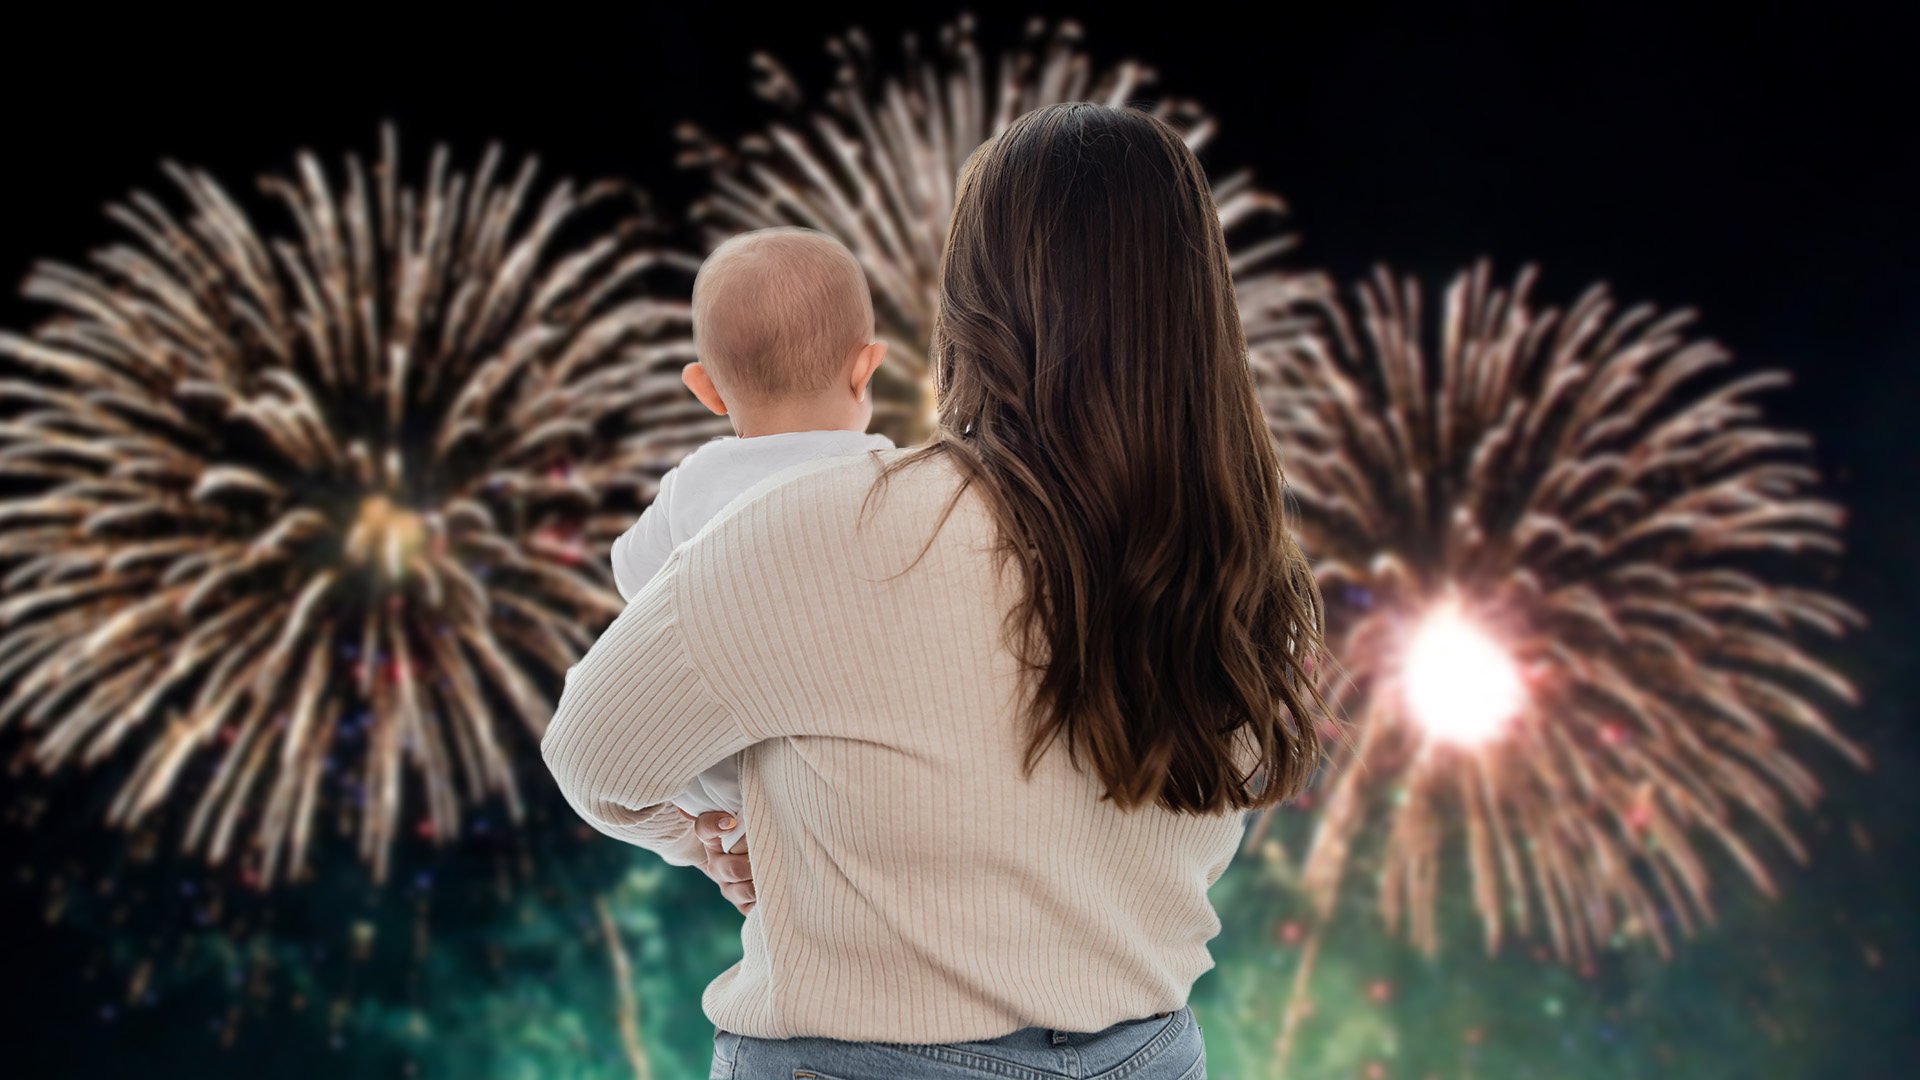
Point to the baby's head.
(783, 327)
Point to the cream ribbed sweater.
(911, 886)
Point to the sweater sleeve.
(636, 724)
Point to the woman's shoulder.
(882, 498)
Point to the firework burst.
(303, 515)
(1553, 548)
(876, 167)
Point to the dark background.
(1755, 163)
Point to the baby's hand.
(732, 871)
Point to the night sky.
(1758, 166)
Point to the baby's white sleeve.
(642, 550)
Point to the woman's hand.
(730, 870)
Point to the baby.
(783, 327)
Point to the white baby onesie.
(690, 494)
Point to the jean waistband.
(1057, 1037)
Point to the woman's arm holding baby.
(635, 724)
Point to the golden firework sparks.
(877, 164)
(302, 513)
(1565, 568)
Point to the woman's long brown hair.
(1092, 380)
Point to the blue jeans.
(1164, 1047)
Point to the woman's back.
(944, 715)
(912, 886)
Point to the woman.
(1000, 700)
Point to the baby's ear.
(864, 365)
(697, 381)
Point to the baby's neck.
(778, 418)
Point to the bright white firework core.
(1461, 686)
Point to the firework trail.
(302, 513)
(629, 1010)
(1553, 548)
(876, 167)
